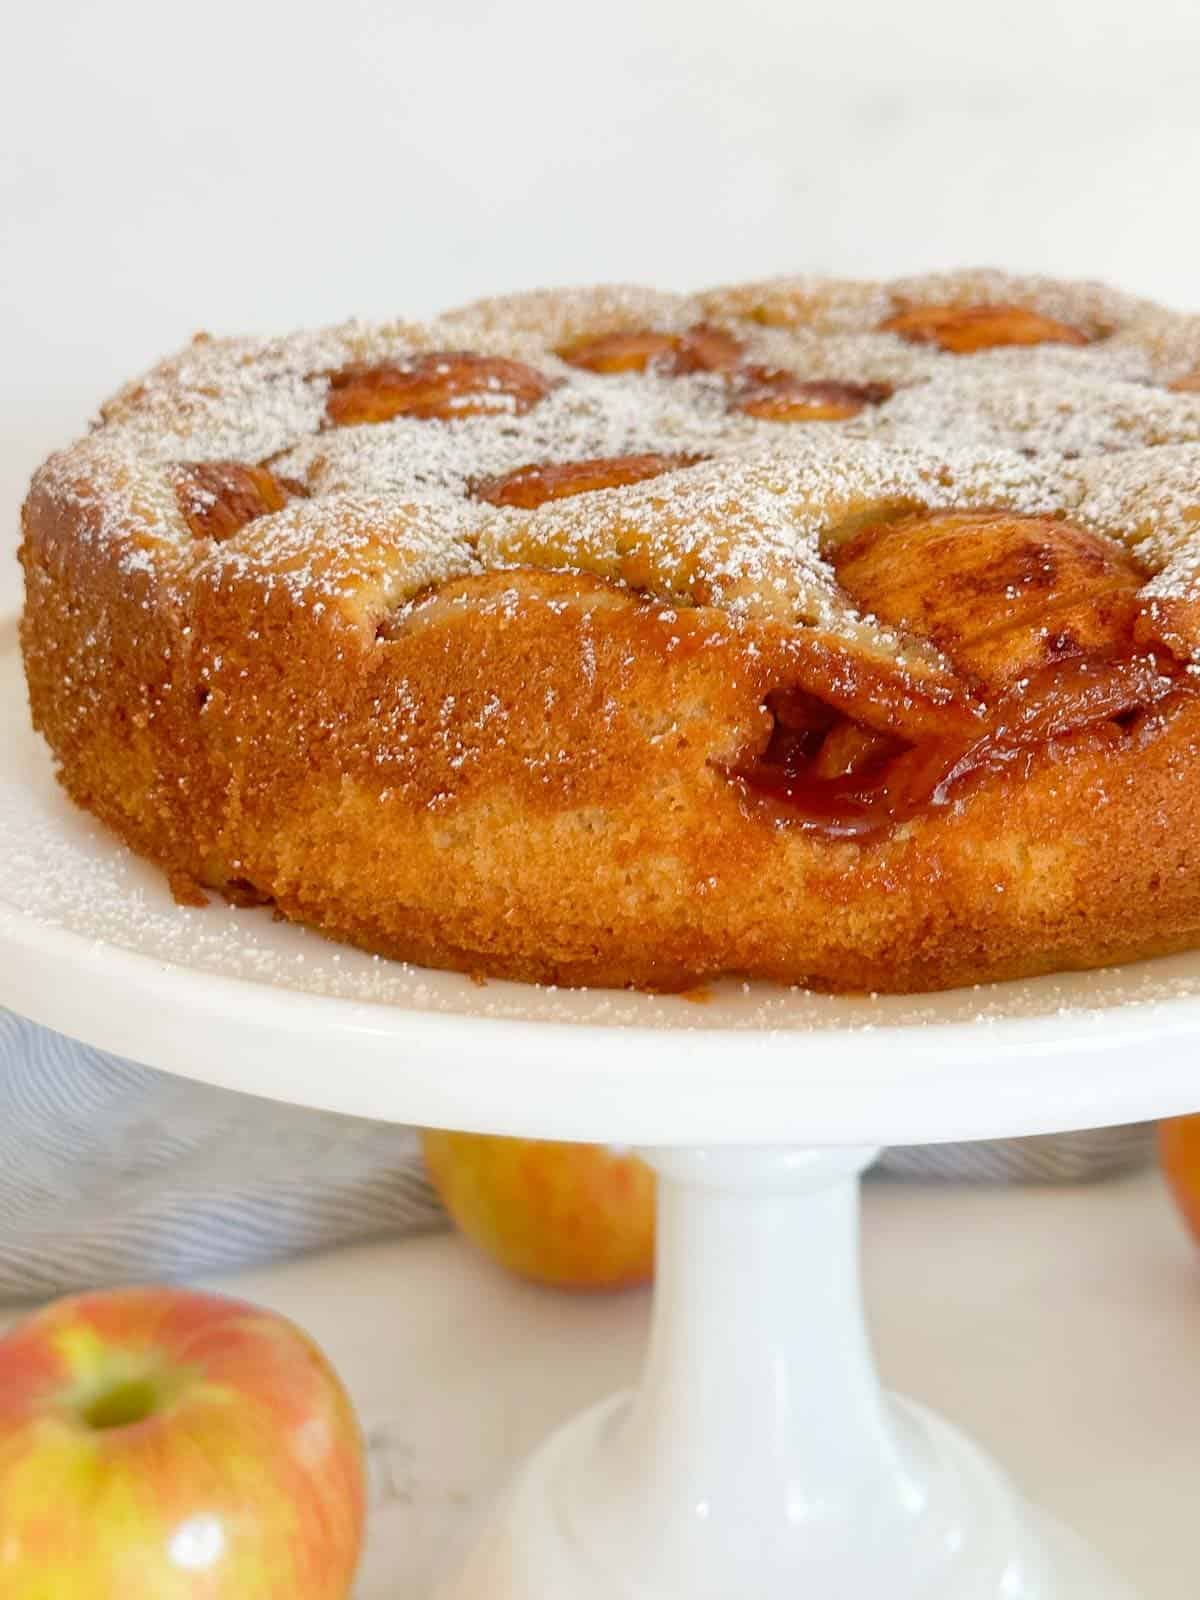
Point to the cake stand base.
(759, 1457)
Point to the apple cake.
(834, 633)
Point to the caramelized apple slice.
(854, 782)
(849, 749)
(619, 352)
(1003, 596)
(438, 386)
(1188, 384)
(962, 330)
(1170, 625)
(1079, 694)
(1042, 618)
(888, 783)
(700, 349)
(914, 700)
(532, 486)
(779, 396)
(217, 498)
(707, 349)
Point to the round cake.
(835, 633)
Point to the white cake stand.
(759, 1458)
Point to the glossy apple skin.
(1179, 1145)
(245, 1482)
(578, 1216)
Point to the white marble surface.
(1059, 1326)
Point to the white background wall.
(245, 165)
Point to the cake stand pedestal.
(759, 1458)
(759, 1455)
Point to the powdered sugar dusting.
(749, 532)
(1090, 431)
(1152, 501)
(1033, 406)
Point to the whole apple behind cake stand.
(759, 1456)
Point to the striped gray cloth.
(1041, 1158)
(111, 1172)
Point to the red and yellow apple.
(579, 1216)
(1179, 1144)
(157, 1444)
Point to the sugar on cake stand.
(759, 1456)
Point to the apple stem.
(120, 1405)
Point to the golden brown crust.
(508, 748)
